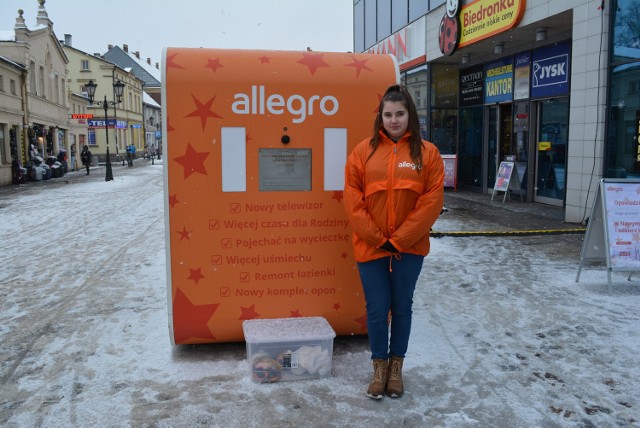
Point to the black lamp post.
(91, 91)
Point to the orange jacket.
(386, 198)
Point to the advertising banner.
(522, 76)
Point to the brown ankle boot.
(379, 382)
(395, 388)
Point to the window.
(358, 26)
(56, 89)
(32, 78)
(85, 65)
(417, 8)
(41, 82)
(384, 19)
(399, 14)
(12, 86)
(370, 23)
(1, 83)
(3, 141)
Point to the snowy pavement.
(502, 333)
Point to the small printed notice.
(285, 169)
(623, 223)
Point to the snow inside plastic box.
(285, 349)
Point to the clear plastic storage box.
(284, 349)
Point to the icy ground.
(502, 336)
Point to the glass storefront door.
(499, 127)
(470, 148)
(552, 134)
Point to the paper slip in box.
(284, 349)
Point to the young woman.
(394, 192)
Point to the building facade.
(33, 95)
(123, 121)
(549, 86)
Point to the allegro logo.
(258, 102)
(406, 164)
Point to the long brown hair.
(398, 93)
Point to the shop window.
(623, 137)
(444, 130)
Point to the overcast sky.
(148, 26)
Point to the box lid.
(287, 329)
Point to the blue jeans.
(388, 285)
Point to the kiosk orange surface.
(255, 148)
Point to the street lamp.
(91, 91)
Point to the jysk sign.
(550, 71)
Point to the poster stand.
(613, 233)
(507, 180)
(450, 171)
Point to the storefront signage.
(111, 123)
(550, 71)
(484, 18)
(449, 35)
(445, 86)
(82, 116)
(471, 86)
(522, 76)
(407, 45)
(136, 126)
(499, 81)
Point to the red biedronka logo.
(449, 36)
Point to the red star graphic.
(336, 306)
(192, 161)
(296, 314)
(185, 234)
(190, 321)
(173, 200)
(169, 127)
(378, 106)
(264, 59)
(344, 255)
(213, 64)
(359, 66)
(203, 110)
(313, 61)
(362, 321)
(195, 275)
(248, 313)
(247, 138)
(171, 63)
(337, 195)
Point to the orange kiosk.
(255, 148)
